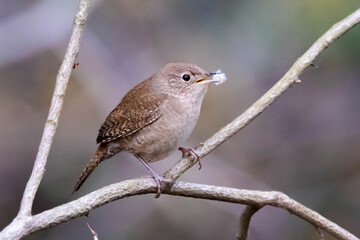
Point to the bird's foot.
(192, 152)
(161, 183)
(158, 180)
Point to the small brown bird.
(154, 118)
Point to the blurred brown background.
(307, 144)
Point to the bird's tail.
(100, 155)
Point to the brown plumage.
(90, 167)
(154, 118)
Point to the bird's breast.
(183, 115)
(159, 139)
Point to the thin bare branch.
(57, 101)
(291, 77)
(245, 219)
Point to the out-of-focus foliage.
(306, 144)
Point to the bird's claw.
(161, 183)
(158, 180)
(192, 152)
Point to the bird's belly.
(159, 139)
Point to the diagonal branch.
(54, 112)
(291, 77)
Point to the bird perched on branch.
(155, 117)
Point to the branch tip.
(92, 231)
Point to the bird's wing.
(130, 115)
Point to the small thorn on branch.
(75, 65)
(93, 232)
(297, 81)
(313, 65)
(320, 232)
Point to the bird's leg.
(192, 152)
(158, 179)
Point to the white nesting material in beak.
(219, 77)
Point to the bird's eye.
(186, 77)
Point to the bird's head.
(186, 79)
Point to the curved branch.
(291, 77)
(55, 110)
(84, 205)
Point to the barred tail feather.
(99, 156)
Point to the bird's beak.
(207, 79)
